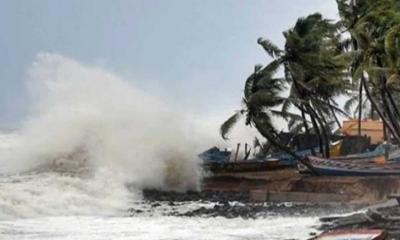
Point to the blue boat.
(217, 160)
(289, 160)
(215, 155)
(329, 167)
(380, 150)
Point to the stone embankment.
(232, 205)
(259, 194)
(289, 186)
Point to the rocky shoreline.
(385, 216)
(232, 205)
(206, 195)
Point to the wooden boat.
(244, 166)
(381, 150)
(354, 234)
(289, 160)
(215, 154)
(329, 167)
(216, 160)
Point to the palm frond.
(272, 67)
(272, 50)
(227, 126)
(350, 103)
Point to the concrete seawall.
(289, 186)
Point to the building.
(370, 128)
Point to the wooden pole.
(237, 151)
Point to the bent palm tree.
(261, 98)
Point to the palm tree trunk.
(385, 104)
(323, 131)
(326, 132)
(334, 114)
(391, 100)
(314, 123)
(321, 117)
(377, 109)
(303, 116)
(388, 110)
(360, 104)
(285, 149)
(317, 132)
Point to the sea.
(52, 203)
(56, 206)
(91, 142)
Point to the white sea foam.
(88, 228)
(63, 175)
(52, 194)
(86, 109)
(89, 133)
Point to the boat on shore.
(219, 160)
(391, 150)
(373, 167)
(251, 165)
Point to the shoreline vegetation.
(356, 57)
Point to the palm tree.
(314, 67)
(262, 94)
(351, 12)
(373, 26)
(314, 70)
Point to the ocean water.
(64, 173)
(54, 203)
(52, 206)
(155, 228)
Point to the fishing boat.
(381, 150)
(392, 151)
(289, 160)
(354, 234)
(216, 155)
(251, 165)
(219, 160)
(372, 167)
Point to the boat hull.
(328, 167)
(244, 166)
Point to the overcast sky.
(195, 53)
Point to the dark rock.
(133, 211)
(155, 205)
(232, 204)
(212, 196)
(386, 218)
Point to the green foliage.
(228, 124)
(321, 62)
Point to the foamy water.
(156, 228)
(64, 173)
(65, 205)
(56, 206)
(53, 205)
